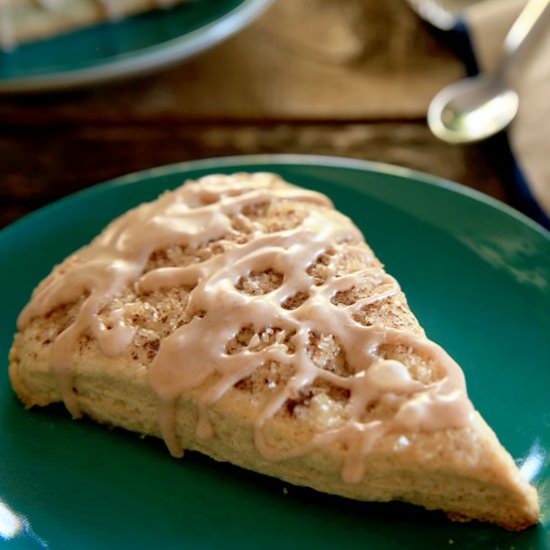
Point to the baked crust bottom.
(464, 472)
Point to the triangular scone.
(245, 318)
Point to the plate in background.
(476, 273)
(132, 46)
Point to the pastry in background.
(27, 20)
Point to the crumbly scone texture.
(27, 20)
(464, 472)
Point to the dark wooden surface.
(53, 145)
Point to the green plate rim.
(312, 160)
(142, 61)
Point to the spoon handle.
(516, 39)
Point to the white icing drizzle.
(193, 358)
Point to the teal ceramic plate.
(476, 273)
(136, 45)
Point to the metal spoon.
(476, 108)
(442, 14)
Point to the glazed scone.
(245, 318)
(27, 20)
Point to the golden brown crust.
(464, 472)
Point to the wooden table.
(333, 77)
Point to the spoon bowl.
(472, 109)
(478, 107)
